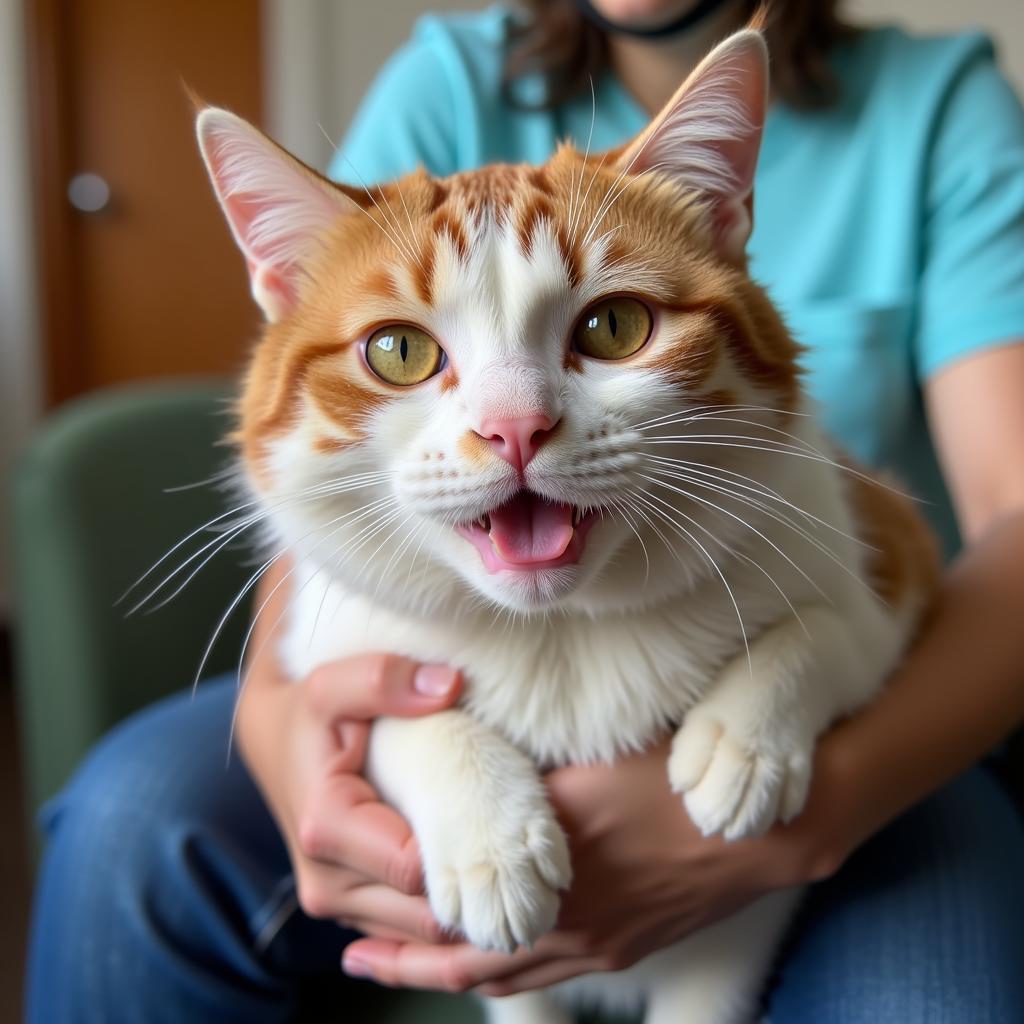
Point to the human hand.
(355, 859)
(644, 878)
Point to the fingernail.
(355, 968)
(433, 680)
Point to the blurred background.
(115, 265)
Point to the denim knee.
(161, 859)
(924, 924)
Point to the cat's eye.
(403, 355)
(613, 328)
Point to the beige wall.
(1003, 19)
(19, 346)
(321, 56)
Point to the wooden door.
(150, 285)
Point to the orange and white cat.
(539, 424)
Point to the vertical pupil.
(404, 348)
(612, 323)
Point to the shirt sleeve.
(406, 119)
(972, 281)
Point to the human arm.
(304, 742)
(961, 689)
(644, 877)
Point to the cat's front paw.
(733, 783)
(495, 876)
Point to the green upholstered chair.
(91, 513)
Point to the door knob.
(88, 192)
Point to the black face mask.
(674, 27)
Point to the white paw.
(733, 785)
(496, 877)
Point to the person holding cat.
(892, 238)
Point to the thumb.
(374, 685)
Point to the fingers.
(370, 685)
(550, 972)
(452, 968)
(341, 821)
(381, 912)
(458, 966)
(344, 823)
(367, 926)
(370, 907)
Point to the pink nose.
(518, 440)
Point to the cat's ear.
(708, 135)
(275, 204)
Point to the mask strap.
(674, 27)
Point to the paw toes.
(712, 803)
(692, 750)
(445, 901)
(506, 907)
(483, 910)
(546, 843)
(531, 909)
(503, 893)
(759, 808)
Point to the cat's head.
(478, 386)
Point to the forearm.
(958, 693)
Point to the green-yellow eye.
(613, 328)
(403, 355)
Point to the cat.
(538, 423)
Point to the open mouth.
(529, 533)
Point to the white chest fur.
(565, 689)
(568, 688)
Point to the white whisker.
(700, 411)
(397, 242)
(323, 488)
(759, 487)
(742, 522)
(253, 580)
(308, 495)
(647, 497)
(574, 205)
(211, 481)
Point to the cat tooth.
(577, 516)
(484, 522)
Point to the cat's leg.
(743, 755)
(716, 975)
(526, 1008)
(494, 857)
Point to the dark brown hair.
(561, 43)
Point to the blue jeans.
(166, 895)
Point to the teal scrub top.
(888, 228)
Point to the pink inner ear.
(276, 206)
(241, 211)
(272, 278)
(266, 277)
(733, 223)
(269, 286)
(708, 135)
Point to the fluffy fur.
(739, 585)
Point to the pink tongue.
(530, 529)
